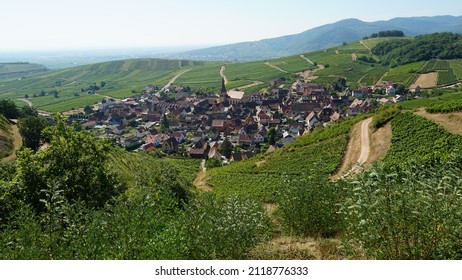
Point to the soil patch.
(428, 80)
(452, 122)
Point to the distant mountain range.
(322, 37)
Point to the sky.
(103, 24)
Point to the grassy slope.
(12, 70)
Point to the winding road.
(172, 80)
(222, 74)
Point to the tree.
(74, 161)
(272, 136)
(28, 111)
(88, 110)
(31, 128)
(9, 109)
(226, 148)
(164, 126)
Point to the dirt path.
(17, 143)
(200, 181)
(357, 152)
(222, 74)
(29, 103)
(255, 83)
(309, 74)
(365, 147)
(452, 122)
(172, 80)
(307, 59)
(366, 46)
(277, 68)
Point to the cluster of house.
(196, 124)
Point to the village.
(193, 125)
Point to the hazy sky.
(73, 24)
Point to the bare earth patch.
(380, 144)
(260, 163)
(354, 57)
(352, 151)
(200, 181)
(298, 248)
(17, 143)
(452, 122)
(428, 80)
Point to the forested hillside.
(424, 47)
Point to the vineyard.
(316, 155)
(405, 74)
(417, 137)
(445, 107)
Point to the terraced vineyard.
(316, 155)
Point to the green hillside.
(19, 69)
(62, 90)
(121, 78)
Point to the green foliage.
(446, 77)
(309, 207)
(424, 47)
(226, 148)
(445, 107)
(215, 228)
(404, 74)
(31, 128)
(212, 163)
(384, 114)
(407, 214)
(387, 33)
(417, 137)
(76, 161)
(8, 109)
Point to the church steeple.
(223, 87)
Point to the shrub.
(407, 214)
(309, 207)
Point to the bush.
(309, 207)
(215, 228)
(384, 114)
(212, 163)
(407, 214)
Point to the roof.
(235, 94)
(218, 123)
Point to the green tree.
(164, 125)
(272, 136)
(31, 128)
(226, 148)
(9, 109)
(75, 161)
(88, 110)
